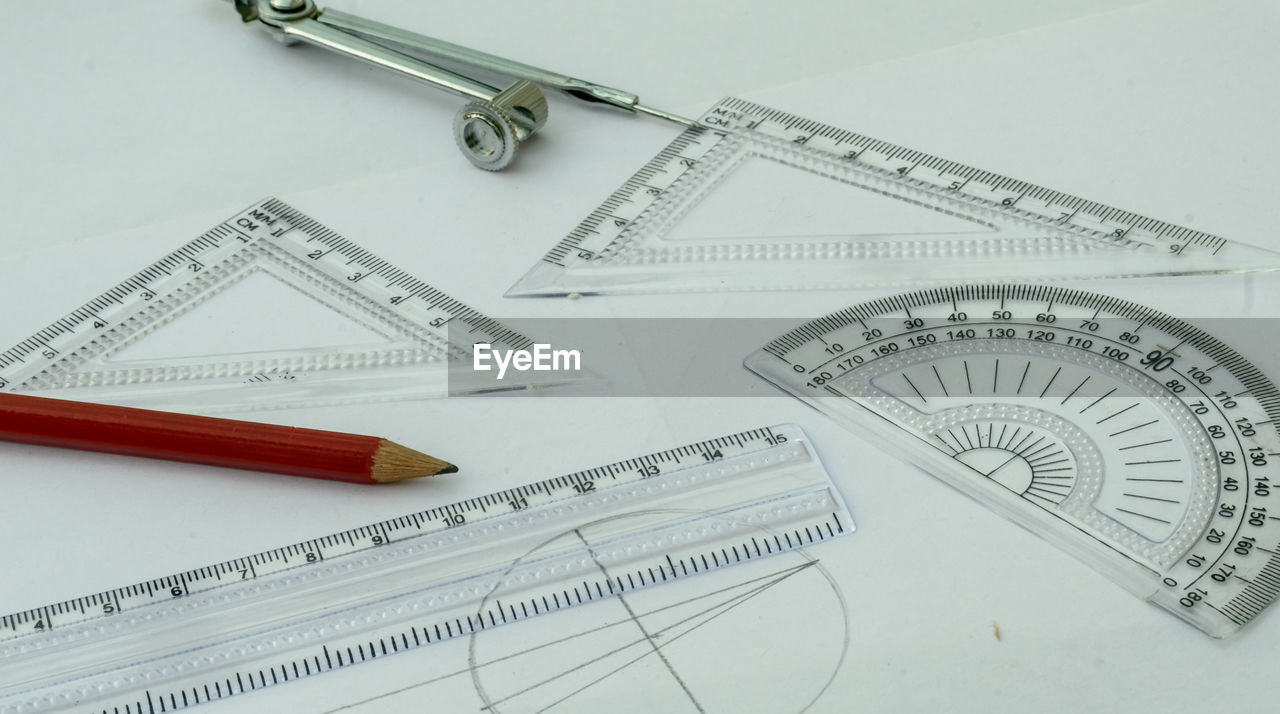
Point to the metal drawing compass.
(490, 128)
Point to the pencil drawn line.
(842, 610)
(657, 650)
(774, 578)
(724, 607)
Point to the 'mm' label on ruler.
(319, 320)
(452, 571)
(759, 199)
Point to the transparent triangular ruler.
(1136, 441)
(309, 317)
(660, 231)
(455, 571)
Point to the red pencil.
(215, 442)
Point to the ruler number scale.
(76, 355)
(394, 585)
(1016, 227)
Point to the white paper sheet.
(128, 131)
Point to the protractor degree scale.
(1139, 442)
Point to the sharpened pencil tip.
(393, 462)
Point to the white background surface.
(128, 129)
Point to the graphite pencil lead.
(394, 462)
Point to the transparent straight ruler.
(1136, 441)
(269, 308)
(451, 571)
(676, 226)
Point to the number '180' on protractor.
(1136, 441)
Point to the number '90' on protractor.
(758, 199)
(1139, 443)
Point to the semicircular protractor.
(1137, 441)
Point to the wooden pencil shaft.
(184, 437)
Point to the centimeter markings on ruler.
(1002, 193)
(146, 292)
(633, 197)
(111, 602)
(249, 623)
(397, 289)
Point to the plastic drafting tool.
(448, 572)
(1138, 442)
(493, 124)
(400, 348)
(981, 226)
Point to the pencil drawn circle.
(768, 634)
